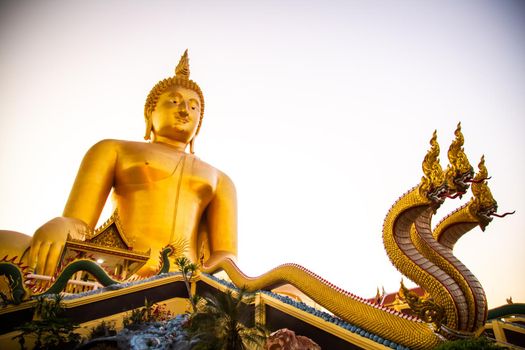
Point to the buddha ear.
(192, 145)
(147, 136)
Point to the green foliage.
(188, 270)
(103, 329)
(480, 343)
(149, 313)
(219, 324)
(48, 328)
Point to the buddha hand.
(49, 241)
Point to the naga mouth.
(455, 195)
(503, 215)
(477, 181)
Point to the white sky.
(320, 111)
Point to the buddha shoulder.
(142, 162)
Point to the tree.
(188, 270)
(220, 324)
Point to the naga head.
(459, 173)
(433, 185)
(423, 306)
(483, 205)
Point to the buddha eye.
(174, 101)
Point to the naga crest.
(433, 185)
(459, 172)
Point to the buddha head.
(175, 106)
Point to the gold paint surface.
(165, 194)
(162, 192)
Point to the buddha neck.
(178, 145)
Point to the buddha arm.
(222, 219)
(93, 183)
(88, 196)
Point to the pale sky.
(320, 112)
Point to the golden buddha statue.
(162, 192)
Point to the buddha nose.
(183, 108)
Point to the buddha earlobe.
(147, 136)
(192, 145)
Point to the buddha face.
(176, 115)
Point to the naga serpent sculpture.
(16, 274)
(477, 212)
(457, 305)
(467, 291)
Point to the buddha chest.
(159, 168)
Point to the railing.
(74, 286)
